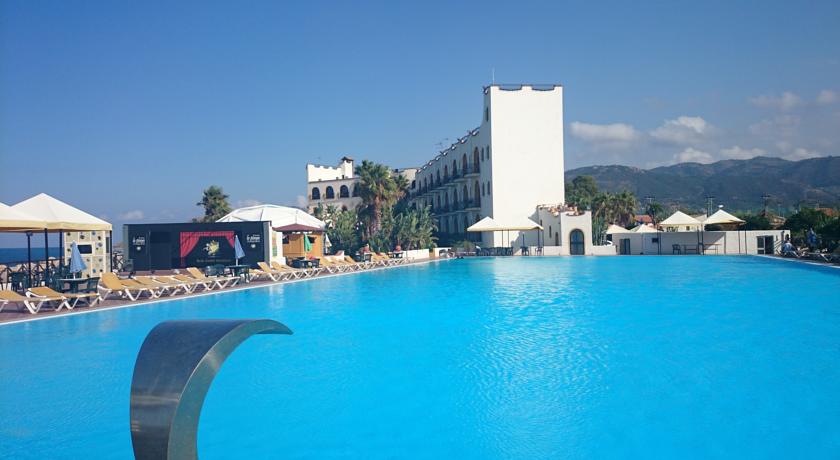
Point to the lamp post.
(29, 256)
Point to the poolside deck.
(14, 314)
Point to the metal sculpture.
(173, 372)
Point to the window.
(488, 152)
(489, 190)
(487, 114)
(344, 192)
(483, 189)
(330, 192)
(356, 189)
(316, 193)
(413, 186)
(482, 154)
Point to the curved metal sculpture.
(173, 372)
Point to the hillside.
(738, 184)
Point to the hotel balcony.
(472, 170)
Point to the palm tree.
(215, 204)
(615, 208)
(655, 211)
(377, 189)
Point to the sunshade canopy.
(58, 215)
(297, 228)
(722, 217)
(488, 224)
(679, 218)
(12, 220)
(613, 229)
(279, 216)
(644, 228)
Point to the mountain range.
(736, 184)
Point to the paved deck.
(14, 313)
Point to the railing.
(173, 372)
(16, 275)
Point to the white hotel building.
(509, 168)
(336, 185)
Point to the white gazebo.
(615, 229)
(680, 222)
(722, 217)
(56, 216)
(279, 216)
(488, 224)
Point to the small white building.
(336, 186)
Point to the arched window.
(355, 190)
(446, 173)
(488, 188)
(438, 177)
(438, 201)
(483, 189)
(576, 243)
(482, 154)
(465, 195)
(475, 160)
(344, 192)
(477, 193)
(316, 193)
(488, 152)
(549, 231)
(557, 239)
(330, 192)
(464, 163)
(454, 168)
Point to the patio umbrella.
(237, 248)
(307, 245)
(76, 262)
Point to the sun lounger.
(71, 299)
(207, 285)
(33, 304)
(355, 266)
(164, 286)
(270, 273)
(189, 284)
(112, 284)
(220, 282)
(332, 266)
(293, 273)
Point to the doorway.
(765, 244)
(576, 243)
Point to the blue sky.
(129, 109)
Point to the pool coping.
(209, 293)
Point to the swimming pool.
(485, 358)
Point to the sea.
(19, 254)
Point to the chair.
(220, 282)
(70, 299)
(676, 249)
(268, 272)
(110, 283)
(292, 272)
(33, 304)
(90, 285)
(19, 281)
(165, 286)
(206, 284)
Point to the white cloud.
(301, 201)
(247, 202)
(802, 154)
(827, 96)
(738, 153)
(683, 130)
(786, 101)
(131, 215)
(616, 133)
(691, 155)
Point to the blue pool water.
(645, 357)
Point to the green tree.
(754, 222)
(378, 190)
(215, 204)
(581, 191)
(656, 212)
(615, 208)
(344, 232)
(805, 219)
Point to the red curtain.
(190, 239)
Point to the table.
(305, 263)
(713, 246)
(73, 282)
(363, 257)
(241, 271)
